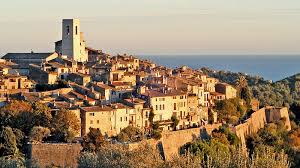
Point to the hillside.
(285, 91)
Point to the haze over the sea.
(271, 67)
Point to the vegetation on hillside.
(220, 150)
(285, 92)
(276, 136)
(22, 121)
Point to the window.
(68, 30)
(121, 119)
(160, 107)
(98, 121)
(163, 107)
(92, 114)
(76, 30)
(126, 119)
(174, 106)
(161, 99)
(91, 122)
(160, 117)
(156, 107)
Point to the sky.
(153, 27)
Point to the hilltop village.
(110, 93)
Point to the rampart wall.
(57, 154)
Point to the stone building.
(166, 103)
(23, 60)
(228, 90)
(110, 120)
(80, 79)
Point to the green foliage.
(151, 116)
(8, 143)
(155, 126)
(175, 122)
(206, 154)
(210, 116)
(246, 95)
(156, 134)
(24, 116)
(66, 125)
(93, 140)
(228, 134)
(20, 139)
(285, 91)
(130, 134)
(38, 133)
(277, 137)
(230, 110)
(12, 162)
(215, 154)
(112, 156)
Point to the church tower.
(73, 45)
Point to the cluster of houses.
(110, 92)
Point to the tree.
(115, 155)
(66, 125)
(245, 95)
(93, 140)
(20, 139)
(42, 114)
(241, 82)
(294, 138)
(130, 134)
(38, 133)
(151, 117)
(9, 112)
(24, 116)
(8, 144)
(175, 122)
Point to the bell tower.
(72, 44)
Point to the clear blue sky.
(156, 26)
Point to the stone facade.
(258, 120)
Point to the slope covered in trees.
(285, 92)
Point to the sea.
(270, 67)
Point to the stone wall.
(58, 154)
(256, 121)
(276, 114)
(172, 141)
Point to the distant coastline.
(270, 67)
